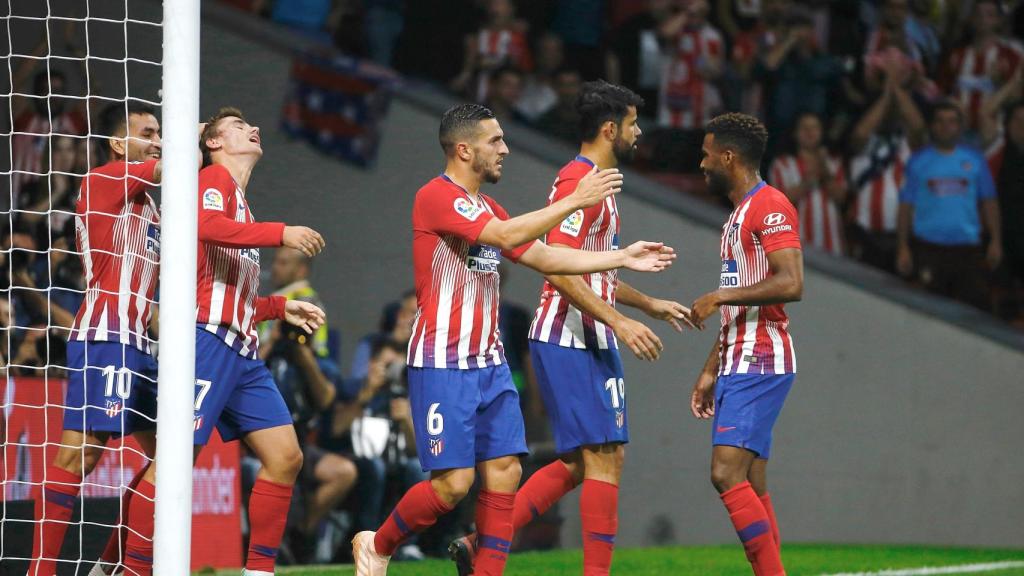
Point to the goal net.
(77, 268)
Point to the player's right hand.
(596, 186)
(640, 339)
(303, 239)
(702, 401)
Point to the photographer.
(305, 382)
(375, 426)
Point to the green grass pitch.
(800, 559)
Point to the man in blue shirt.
(940, 222)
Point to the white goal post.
(176, 382)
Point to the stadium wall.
(901, 427)
(897, 430)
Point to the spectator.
(815, 182)
(635, 56)
(501, 42)
(503, 93)
(374, 424)
(289, 274)
(580, 24)
(1006, 161)
(317, 19)
(748, 45)
(797, 77)
(538, 94)
(48, 114)
(980, 67)
(384, 24)
(305, 382)
(940, 231)
(736, 17)
(694, 53)
(881, 145)
(52, 197)
(891, 52)
(395, 326)
(562, 121)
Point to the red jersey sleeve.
(217, 206)
(573, 230)
(441, 210)
(776, 222)
(140, 176)
(269, 308)
(500, 213)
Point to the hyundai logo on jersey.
(483, 258)
(153, 238)
(774, 219)
(730, 275)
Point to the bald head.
(289, 266)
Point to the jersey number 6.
(435, 422)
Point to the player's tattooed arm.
(592, 189)
(639, 256)
(672, 312)
(644, 343)
(785, 284)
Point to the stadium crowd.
(848, 91)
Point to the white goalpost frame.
(179, 229)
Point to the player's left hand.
(704, 307)
(648, 256)
(307, 316)
(702, 401)
(994, 255)
(674, 313)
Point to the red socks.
(766, 501)
(599, 511)
(138, 549)
(268, 513)
(112, 554)
(417, 510)
(494, 532)
(753, 528)
(545, 487)
(53, 509)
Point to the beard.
(491, 174)
(718, 184)
(624, 151)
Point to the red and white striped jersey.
(819, 217)
(755, 339)
(118, 232)
(228, 266)
(597, 229)
(457, 279)
(974, 71)
(687, 100)
(877, 174)
(29, 144)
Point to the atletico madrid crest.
(198, 421)
(436, 446)
(620, 418)
(113, 408)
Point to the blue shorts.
(584, 394)
(234, 393)
(111, 388)
(463, 417)
(746, 407)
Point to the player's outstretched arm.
(591, 190)
(785, 284)
(644, 343)
(640, 256)
(672, 312)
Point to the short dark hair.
(458, 121)
(743, 133)
(114, 118)
(945, 104)
(600, 102)
(211, 130)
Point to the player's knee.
(724, 476)
(78, 460)
(453, 485)
(286, 465)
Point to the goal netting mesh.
(71, 67)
